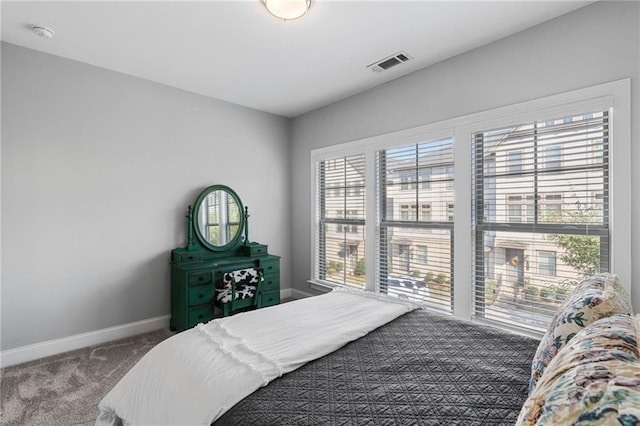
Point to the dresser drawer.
(180, 258)
(271, 282)
(254, 249)
(202, 314)
(270, 298)
(271, 266)
(200, 277)
(200, 295)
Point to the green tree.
(581, 252)
(360, 268)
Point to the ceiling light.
(43, 31)
(287, 9)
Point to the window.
(515, 212)
(541, 187)
(566, 229)
(402, 244)
(408, 212)
(426, 213)
(407, 180)
(450, 212)
(551, 207)
(552, 156)
(402, 259)
(449, 177)
(340, 253)
(546, 262)
(353, 214)
(421, 254)
(425, 177)
(514, 161)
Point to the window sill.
(322, 286)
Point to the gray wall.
(97, 171)
(593, 45)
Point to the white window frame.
(614, 96)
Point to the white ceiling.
(237, 52)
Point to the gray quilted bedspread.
(420, 369)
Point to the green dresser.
(219, 222)
(192, 284)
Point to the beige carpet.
(65, 389)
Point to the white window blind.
(541, 209)
(340, 212)
(415, 212)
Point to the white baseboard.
(78, 341)
(285, 293)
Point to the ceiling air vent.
(389, 62)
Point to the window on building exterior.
(421, 254)
(515, 213)
(425, 177)
(546, 262)
(402, 244)
(566, 230)
(551, 208)
(407, 179)
(514, 162)
(552, 156)
(408, 212)
(449, 177)
(450, 212)
(426, 213)
(402, 259)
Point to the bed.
(346, 357)
(420, 369)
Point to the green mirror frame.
(219, 219)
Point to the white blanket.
(195, 376)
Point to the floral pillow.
(596, 297)
(594, 380)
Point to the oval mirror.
(218, 218)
